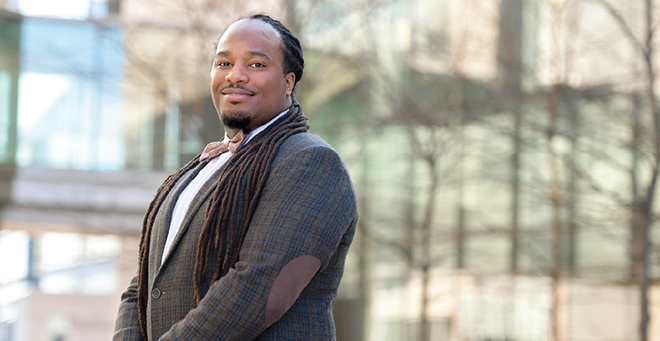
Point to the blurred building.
(497, 148)
(490, 143)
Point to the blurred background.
(505, 153)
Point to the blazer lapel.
(162, 223)
(200, 198)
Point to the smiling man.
(248, 240)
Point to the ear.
(290, 79)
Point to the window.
(68, 9)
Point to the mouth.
(236, 94)
(236, 91)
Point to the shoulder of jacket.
(303, 141)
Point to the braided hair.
(236, 195)
(291, 49)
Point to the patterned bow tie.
(214, 149)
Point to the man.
(247, 241)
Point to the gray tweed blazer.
(308, 207)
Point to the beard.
(234, 120)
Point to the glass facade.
(5, 102)
(57, 263)
(70, 107)
(10, 31)
(71, 263)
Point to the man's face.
(248, 84)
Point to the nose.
(237, 74)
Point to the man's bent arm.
(304, 211)
(288, 285)
(127, 327)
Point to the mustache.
(237, 86)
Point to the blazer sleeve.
(305, 209)
(127, 327)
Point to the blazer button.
(156, 293)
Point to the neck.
(231, 132)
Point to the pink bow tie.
(214, 149)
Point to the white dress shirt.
(188, 194)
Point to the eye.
(257, 65)
(223, 64)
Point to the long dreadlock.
(236, 195)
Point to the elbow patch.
(288, 285)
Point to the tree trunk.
(362, 235)
(425, 327)
(555, 200)
(645, 211)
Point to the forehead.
(251, 34)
